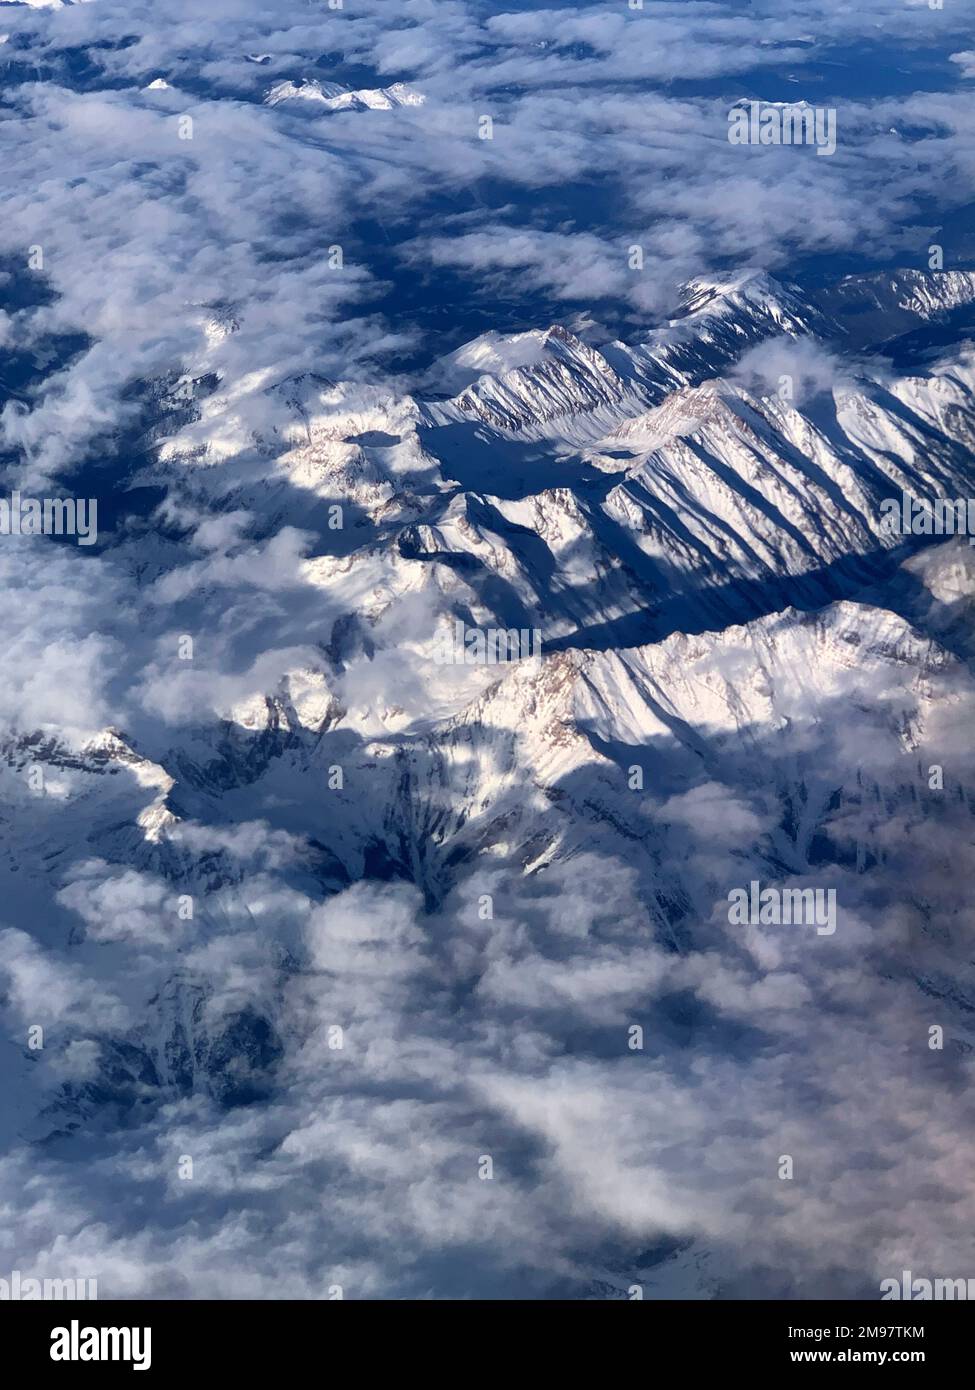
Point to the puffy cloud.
(59, 659)
(121, 905)
(43, 989)
(794, 370)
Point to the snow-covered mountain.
(615, 493)
(880, 307)
(487, 873)
(332, 96)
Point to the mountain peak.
(334, 97)
(749, 291)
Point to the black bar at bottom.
(251, 1338)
